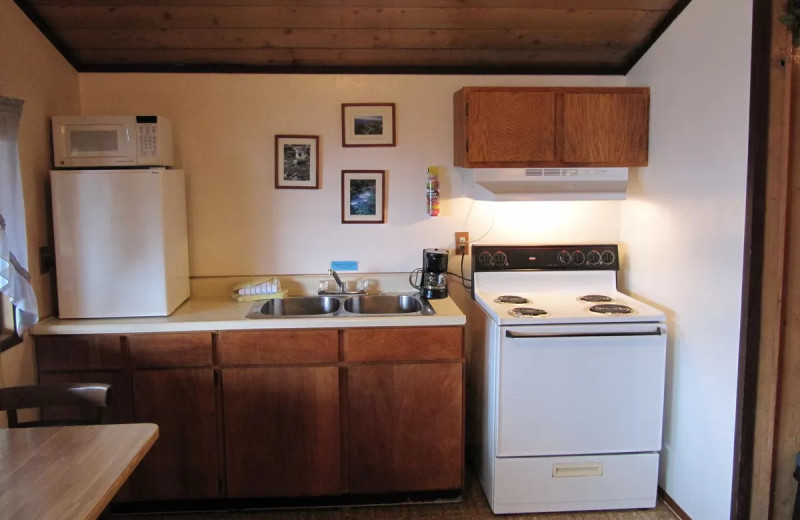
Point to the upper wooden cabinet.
(503, 127)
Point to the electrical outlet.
(462, 242)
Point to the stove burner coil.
(596, 298)
(527, 312)
(611, 309)
(507, 298)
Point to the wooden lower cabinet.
(184, 461)
(281, 413)
(282, 431)
(405, 426)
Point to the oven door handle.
(519, 335)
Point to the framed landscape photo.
(297, 162)
(363, 197)
(368, 124)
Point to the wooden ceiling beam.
(271, 57)
(453, 57)
(171, 17)
(348, 38)
(349, 57)
(659, 5)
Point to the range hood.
(545, 183)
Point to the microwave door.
(113, 143)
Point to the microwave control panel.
(148, 140)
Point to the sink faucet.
(339, 281)
(341, 287)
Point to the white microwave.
(111, 141)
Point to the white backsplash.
(301, 285)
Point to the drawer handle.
(591, 469)
(511, 334)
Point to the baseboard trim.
(674, 507)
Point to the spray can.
(432, 189)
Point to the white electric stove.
(567, 379)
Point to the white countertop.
(210, 314)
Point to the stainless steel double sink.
(342, 305)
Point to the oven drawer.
(581, 393)
(540, 484)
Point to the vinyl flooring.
(473, 507)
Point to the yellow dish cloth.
(253, 297)
(266, 280)
(264, 288)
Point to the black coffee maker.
(434, 274)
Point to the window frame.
(8, 332)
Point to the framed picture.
(297, 162)
(363, 197)
(368, 124)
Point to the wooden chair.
(86, 402)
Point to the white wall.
(683, 228)
(240, 225)
(32, 70)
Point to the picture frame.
(368, 124)
(363, 196)
(297, 164)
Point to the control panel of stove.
(577, 258)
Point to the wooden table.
(67, 472)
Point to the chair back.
(75, 397)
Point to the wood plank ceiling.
(427, 36)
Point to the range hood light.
(501, 184)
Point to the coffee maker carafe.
(434, 274)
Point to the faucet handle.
(365, 284)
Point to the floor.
(474, 507)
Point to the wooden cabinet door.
(605, 128)
(184, 462)
(282, 431)
(510, 126)
(405, 426)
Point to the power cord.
(463, 278)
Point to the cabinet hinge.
(466, 110)
(466, 144)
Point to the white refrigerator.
(121, 242)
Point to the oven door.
(94, 141)
(580, 389)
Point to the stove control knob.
(607, 258)
(564, 257)
(578, 257)
(500, 259)
(593, 258)
(485, 259)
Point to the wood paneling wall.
(355, 33)
(776, 436)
